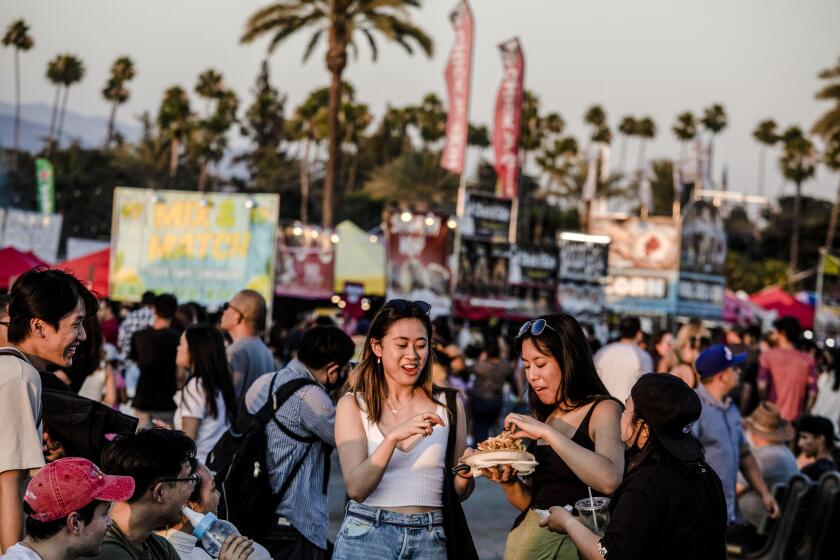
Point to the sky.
(759, 58)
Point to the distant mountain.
(35, 124)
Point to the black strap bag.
(459, 542)
(240, 463)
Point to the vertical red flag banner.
(506, 124)
(458, 77)
(305, 263)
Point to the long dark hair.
(563, 339)
(208, 363)
(368, 379)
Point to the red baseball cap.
(68, 485)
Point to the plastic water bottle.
(210, 530)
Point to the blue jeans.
(377, 534)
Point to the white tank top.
(414, 477)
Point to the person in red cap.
(68, 504)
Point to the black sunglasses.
(193, 477)
(403, 305)
(228, 304)
(535, 327)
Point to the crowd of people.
(685, 432)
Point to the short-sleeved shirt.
(21, 437)
(663, 512)
(720, 431)
(154, 352)
(490, 378)
(249, 358)
(116, 546)
(194, 405)
(20, 551)
(792, 376)
(308, 412)
(620, 365)
(778, 465)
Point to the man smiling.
(46, 311)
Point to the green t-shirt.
(117, 547)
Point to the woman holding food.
(670, 504)
(575, 431)
(392, 434)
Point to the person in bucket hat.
(670, 503)
(768, 434)
(720, 430)
(68, 504)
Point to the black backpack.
(240, 463)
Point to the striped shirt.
(309, 412)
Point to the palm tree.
(122, 71)
(646, 130)
(17, 36)
(831, 158)
(357, 118)
(828, 125)
(174, 120)
(627, 128)
(714, 121)
(342, 21)
(55, 74)
(208, 139)
(430, 119)
(74, 71)
(307, 127)
(798, 164)
(210, 84)
(685, 129)
(766, 135)
(595, 116)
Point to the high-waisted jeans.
(376, 534)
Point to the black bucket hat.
(670, 407)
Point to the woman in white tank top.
(391, 433)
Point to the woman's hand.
(467, 452)
(521, 426)
(557, 519)
(420, 424)
(500, 474)
(236, 548)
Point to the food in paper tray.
(503, 449)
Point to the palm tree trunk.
(174, 150)
(202, 177)
(794, 238)
(712, 158)
(17, 109)
(304, 182)
(111, 120)
(61, 115)
(351, 173)
(334, 151)
(762, 156)
(832, 223)
(54, 116)
(641, 154)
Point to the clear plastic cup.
(594, 513)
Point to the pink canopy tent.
(785, 305)
(13, 263)
(91, 269)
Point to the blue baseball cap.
(715, 359)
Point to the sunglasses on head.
(403, 305)
(535, 327)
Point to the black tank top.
(554, 483)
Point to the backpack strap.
(278, 399)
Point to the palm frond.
(313, 42)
